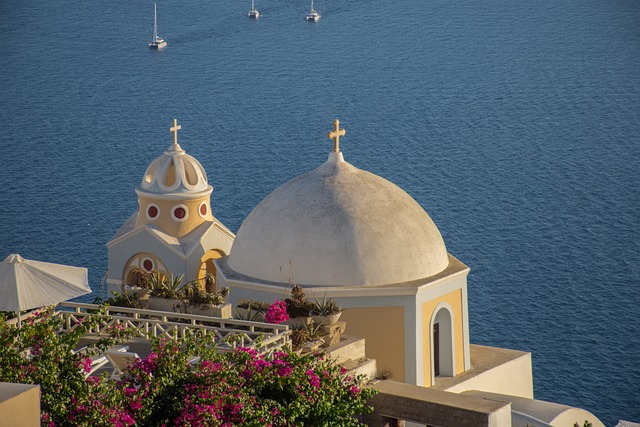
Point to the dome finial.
(336, 134)
(175, 130)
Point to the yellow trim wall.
(166, 223)
(382, 328)
(454, 299)
(206, 263)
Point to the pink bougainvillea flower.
(277, 313)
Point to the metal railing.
(229, 333)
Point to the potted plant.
(249, 309)
(199, 300)
(326, 311)
(298, 307)
(307, 338)
(138, 285)
(167, 293)
(120, 299)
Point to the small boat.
(313, 15)
(156, 42)
(253, 13)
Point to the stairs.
(350, 353)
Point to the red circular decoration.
(203, 209)
(179, 213)
(152, 211)
(147, 264)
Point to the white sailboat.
(313, 15)
(156, 42)
(253, 13)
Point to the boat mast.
(252, 7)
(155, 26)
(311, 6)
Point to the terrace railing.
(229, 333)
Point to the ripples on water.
(515, 124)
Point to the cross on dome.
(175, 130)
(336, 134)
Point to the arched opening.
(208, 268)
(442, 353)
(170, 177)
(144, 263)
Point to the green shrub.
(237, 388)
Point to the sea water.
(515, 124)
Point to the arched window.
(144, 262)
(442, 351)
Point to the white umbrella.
(26, 284)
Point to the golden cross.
(175, 130)
(336, 134)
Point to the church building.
(173, 231)
(345, 233)
(338, 232)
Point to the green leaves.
(166, 286)
(39, 353)
(325, 307)
(241, 387)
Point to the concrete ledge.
(365, 366)
(349, 348)
(495, 370)
(19, 405)
(408, 402)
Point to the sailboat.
(156, 42)
(253, 13)
(313, 15)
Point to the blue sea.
(515, 124)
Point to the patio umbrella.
(26, 284)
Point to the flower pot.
(141, 294)
(249, 314)
(311, 346)
(243, 312)
(165, 304)
(297, 322)
(327, 320)
(222, 311)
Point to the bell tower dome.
(174, 194)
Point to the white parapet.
(494, 370)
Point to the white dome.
(174, 172)
(338, 226)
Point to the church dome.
(174, 172)
(338, 226)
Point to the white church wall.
(170, 252)
(142, 242)
(514, 378)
